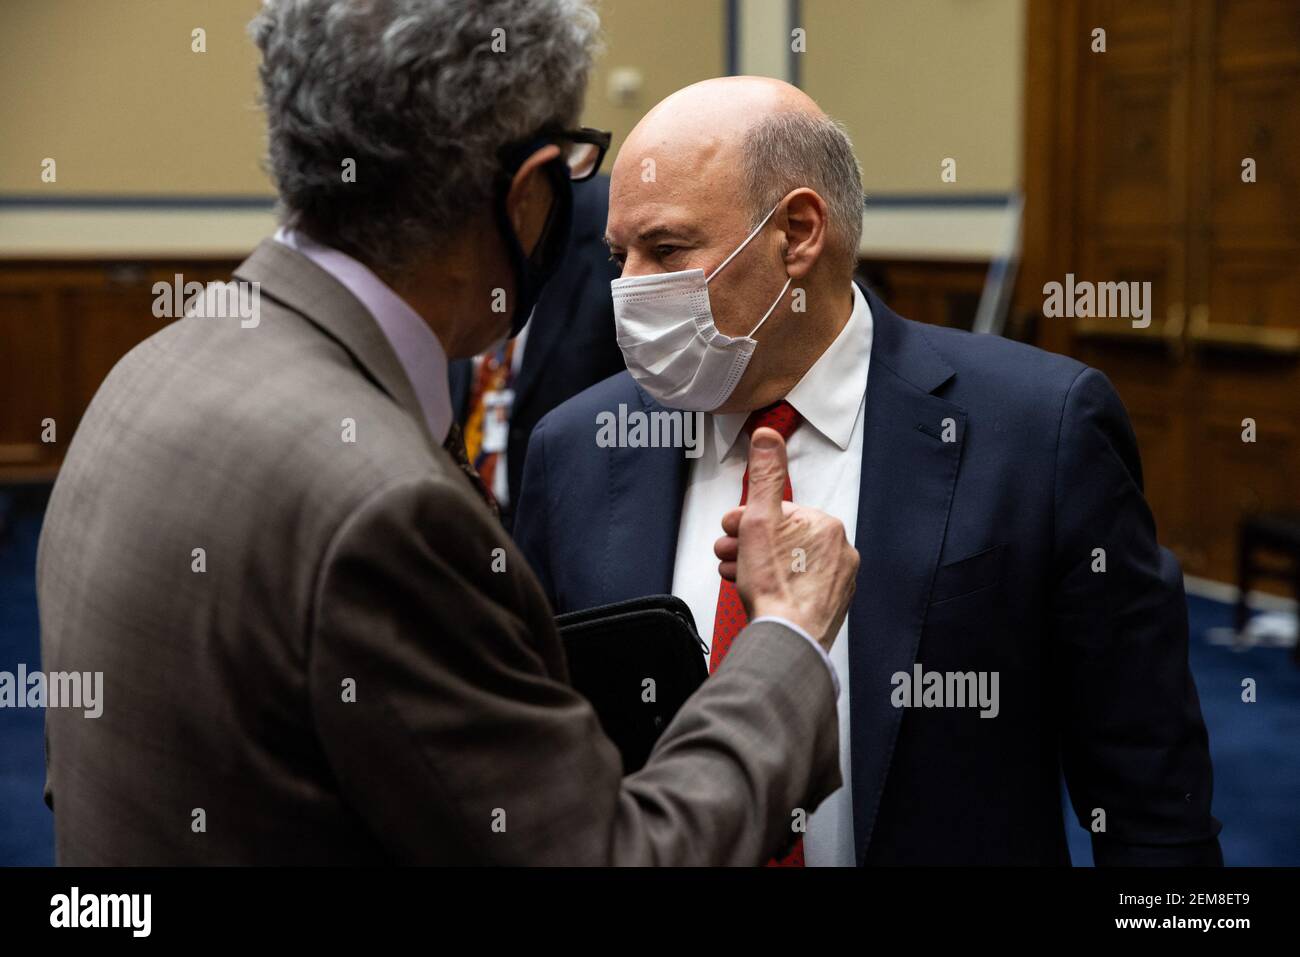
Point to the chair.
(1270, 532)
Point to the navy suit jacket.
(571, 343)
(992, 473)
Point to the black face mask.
(532, 272)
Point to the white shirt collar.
(418, 350)
(829, 395)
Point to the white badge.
(496, 419)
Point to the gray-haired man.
(317, 643)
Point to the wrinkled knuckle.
(763, 470)
(832, 530)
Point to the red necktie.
(731, 617)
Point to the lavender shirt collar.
(417, 348)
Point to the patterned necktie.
(731, 617)
(494, 374)
(455, 446)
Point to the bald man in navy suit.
(1014, 614)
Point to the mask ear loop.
(772, 308)
(737, 250)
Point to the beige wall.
(111, 91)
(919, 81)
(671, 43)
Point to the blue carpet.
(26, 825)
(1256, 747)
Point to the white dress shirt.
(825, 455)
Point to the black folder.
(614, 651)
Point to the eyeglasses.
(583, 150)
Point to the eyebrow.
(659, 232)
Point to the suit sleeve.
(437, 685)
(1134, 743)
(531, 513)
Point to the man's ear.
(804, 222)
(530, 197)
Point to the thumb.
(767, 473)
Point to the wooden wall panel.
(1250, 120)
(31, 338)
(63, 326)
(1235, 478)
(943, 293)
(1160, 124)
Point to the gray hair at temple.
(414, 92)
(786, 150)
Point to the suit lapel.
(908, 473)
(645, 486)
(290, 278)
(562, 300)
(557, 310)
(459, 374)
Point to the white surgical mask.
(669, 340)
